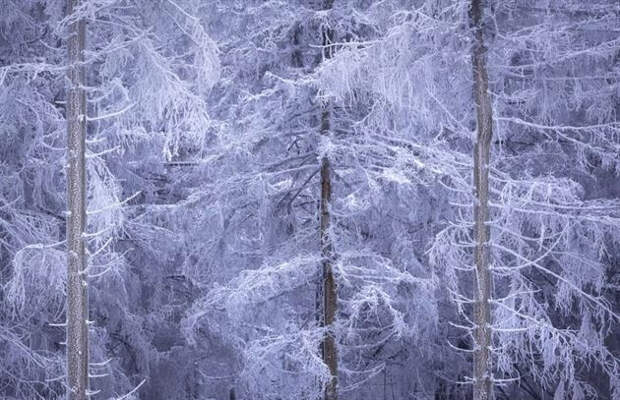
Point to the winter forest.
(309, 199)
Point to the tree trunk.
(77, 288)
(330, 296)
(483, 387)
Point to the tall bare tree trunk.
(77, 287)
(483, 387)
(330, 295)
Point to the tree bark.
(329, 291)
(77, 287)
(483, 387)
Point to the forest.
(309, 199)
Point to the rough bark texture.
(483, 387)
(330, 296)
(77, 289)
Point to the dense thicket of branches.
(242, 156)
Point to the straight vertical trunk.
(77, 289)
(483, 387)
(328, 289)
(328, 347)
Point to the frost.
(239, 151)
